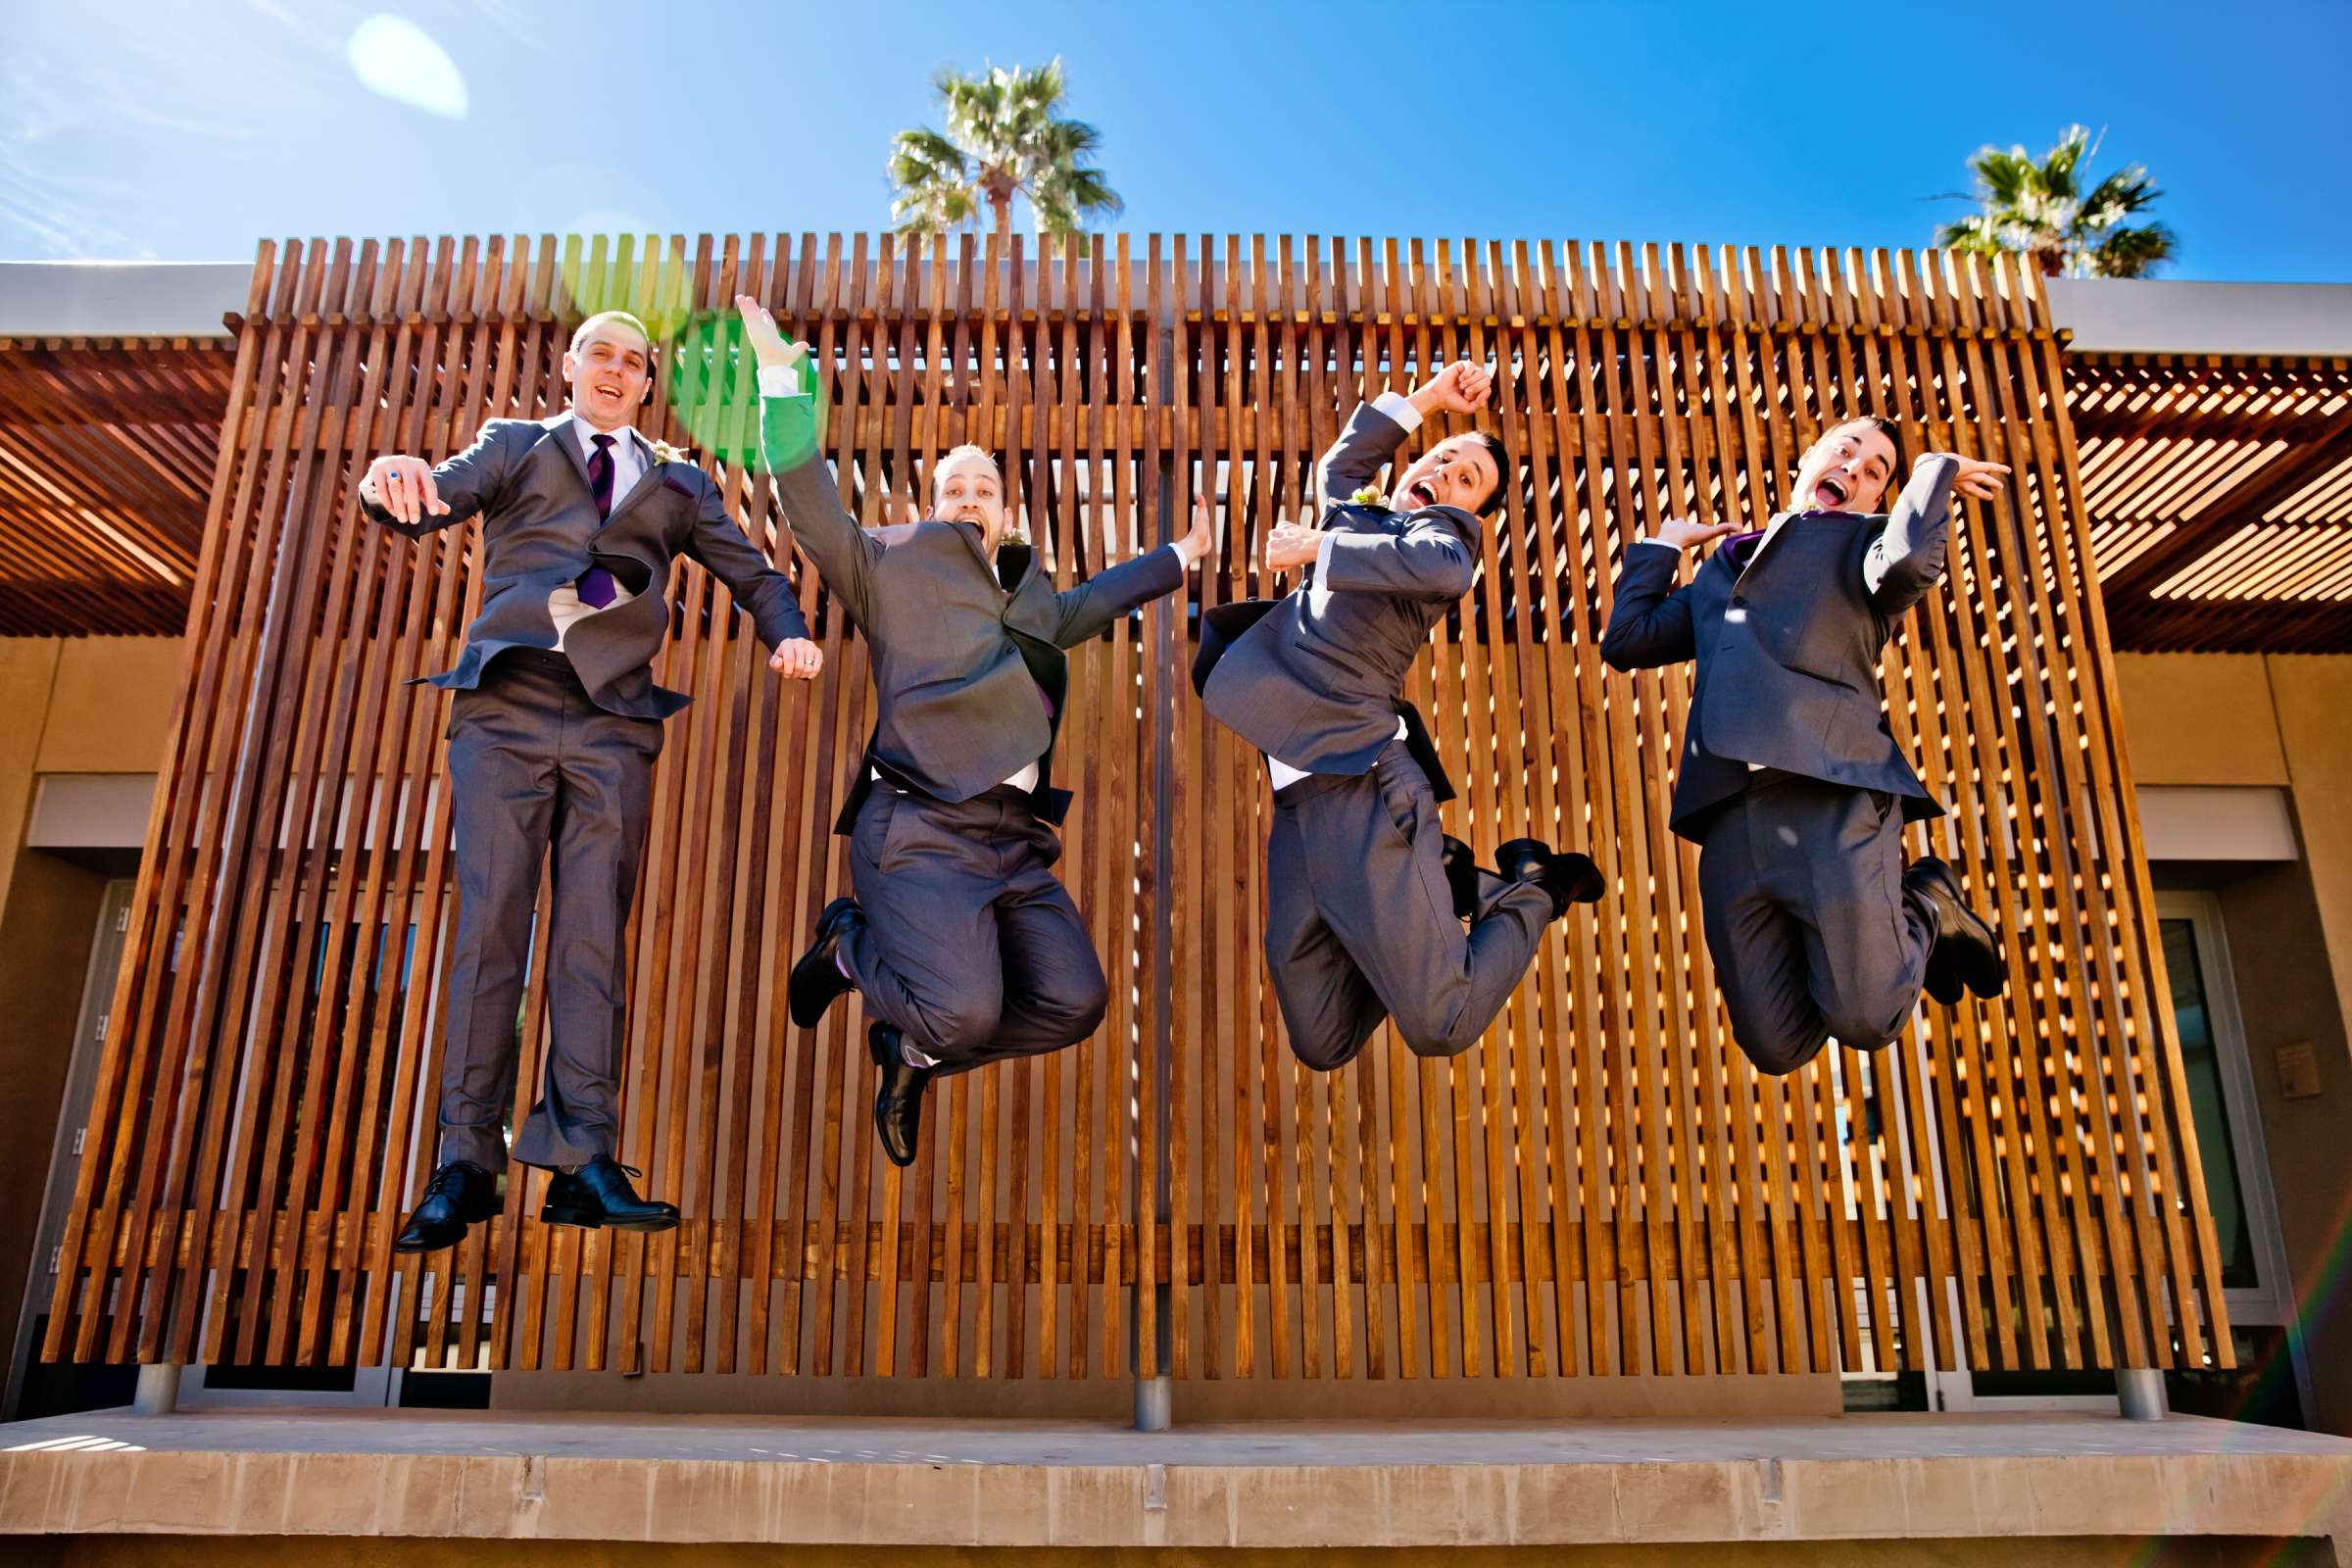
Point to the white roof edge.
(2164, 315)
(2130, 316)
(121, 299)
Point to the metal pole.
(1155, 1396)
(2139, 1390)
(158, 1392)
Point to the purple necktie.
(596, 586)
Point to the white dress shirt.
(564, 606)
(1396, 407)
(790, 382)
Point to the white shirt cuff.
(1323, 558)
(1653, 539)
(783, 380)
(1396, 406)
(1187, 554)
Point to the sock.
(914, 1057)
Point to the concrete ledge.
(982, 1484)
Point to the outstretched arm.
(1649, 620)
(401, 493)
(1375, 428)
(791, 439)
(764, 593)
(1084, 612)
(1907, 559)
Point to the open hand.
(797, 659)
(1979, 481)
(1196, 545)
(1682, 532)
(1292, 544)
(769, 344)
(404, 487)
(1460, 388)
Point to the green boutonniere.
(1369, 496)
(664, 452)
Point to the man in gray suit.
(965, 947)
(1790, 776)
(1365, 896)
(553, 730)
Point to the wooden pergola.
(2221, 497)
(1602, 1187)
(107, 449)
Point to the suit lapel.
(1772, 535)
(969, 534)
(559, 431)
(649, 478)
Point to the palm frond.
(2131, 252)
(2039, 208)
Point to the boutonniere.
(664, 452)
(1368, 496)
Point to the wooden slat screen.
(1602, 1187)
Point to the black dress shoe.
(817, 979)
(599, 1194)
(1569, 878)
(1967, 955)
(1461, 877)
(899, 1103)
(460, 1193)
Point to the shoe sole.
(1586, 885)
(471, 1220)
(587, 1221)
(427, 1246)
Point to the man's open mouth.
(1423, 491)
(1831, 491)
(608, 391)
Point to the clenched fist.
(1460, 388)
(1292, 544)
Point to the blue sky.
(154, 129)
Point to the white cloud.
(396, 59)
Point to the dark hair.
(1503, 473)
(1885, 427)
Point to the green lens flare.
(715, 397)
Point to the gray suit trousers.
(1360, 924)
(1812, 932)
(533, 764)
(971, 946)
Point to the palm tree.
(2040, 210)
(1004, 139)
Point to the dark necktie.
(596, 586)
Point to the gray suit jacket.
(528, 480)
(1317, 681)
(1787, 640)
(969, 676)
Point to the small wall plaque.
(2298, 1070)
